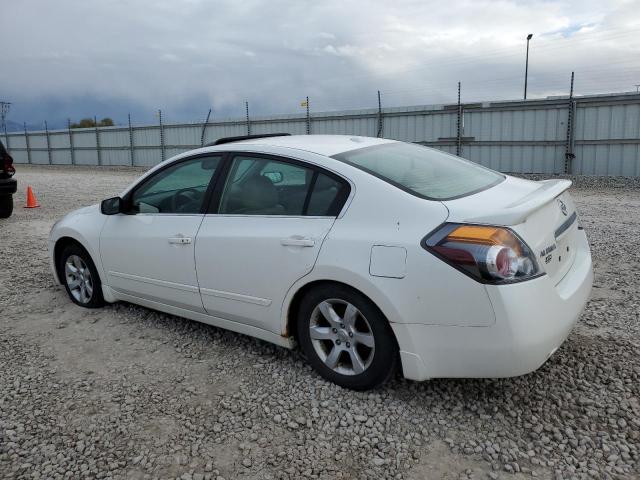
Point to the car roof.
(327, 145)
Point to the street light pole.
(526, 66)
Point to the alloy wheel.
(342, 337)
(78, 277)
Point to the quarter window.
(179, 188)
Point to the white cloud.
(152, 53)
(326, 36)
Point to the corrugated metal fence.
(590, 135)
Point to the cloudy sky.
(69, 58)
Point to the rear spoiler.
(518, 211)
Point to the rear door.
(264, 232)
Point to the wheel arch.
(62, 243)
(294, 305)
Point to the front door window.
(180, 188)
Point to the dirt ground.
(126, 392)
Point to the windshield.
(422, 171)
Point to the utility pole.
(246, 111)
(162, 149)
(46, 130)
(306, 104)
(98, 152)
(526, 66)
(26, 141)
(72, 153)
(459, 125)
(4, 111)
(132, 148)
(568, 150)
(204, 128)
(380, 124)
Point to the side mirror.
(275, 177)
(111, 206)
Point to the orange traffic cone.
(32, 201)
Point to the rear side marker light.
(486, 253)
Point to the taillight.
(8, 165)
(488, 254)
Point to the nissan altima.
(369, 254)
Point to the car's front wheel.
(6, 206)
(80, 277)
(346, 338)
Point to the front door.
(266, 233)
(148, 253)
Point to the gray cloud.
(74, 57)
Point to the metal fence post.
(380, 124)
(246, 111)
(568, 148)
(95, 121)
(459, 126)
(4, 111)
(26, 141)
(161, 135)
(308, 118)
(131, 147)
(71, 148)
(204, 128)
(46, 132)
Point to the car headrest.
(259, 192)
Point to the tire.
(75, 267)
(367, 352)
(6, 206)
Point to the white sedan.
(368, 253)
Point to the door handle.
(298, 241)
(180, 240)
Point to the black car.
(8, 185)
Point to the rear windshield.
(422, 171)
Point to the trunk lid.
(542, 213)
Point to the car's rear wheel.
(80, 277)
(346, 338)
(6, 206)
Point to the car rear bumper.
(533, 319)
(8, 186)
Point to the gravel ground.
(126, 392)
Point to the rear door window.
(266, 186)
(261, 186)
